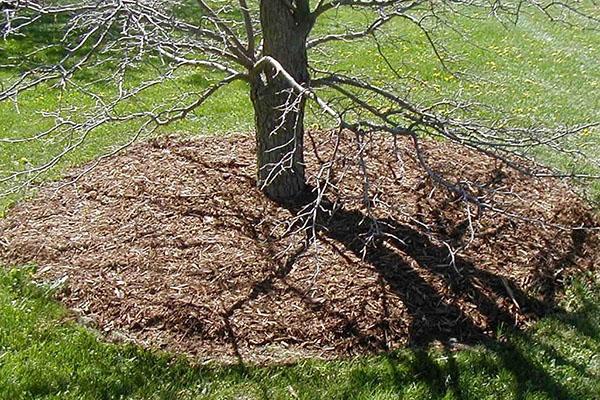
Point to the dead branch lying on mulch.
(172, 246)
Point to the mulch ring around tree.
(170, 245)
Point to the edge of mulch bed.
(171, 246)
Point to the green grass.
(44, 356)
(535, 71)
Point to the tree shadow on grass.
(36, 40)
(39, 46)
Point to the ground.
(172, 246)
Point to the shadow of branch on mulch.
(434, 318)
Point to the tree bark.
(279, 111)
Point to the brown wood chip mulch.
(171, 245)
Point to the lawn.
(535, 71)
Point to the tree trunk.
(279, 111)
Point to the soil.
(172, 246)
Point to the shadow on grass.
(36, 40)
(39, 46)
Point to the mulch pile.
(171, 245)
